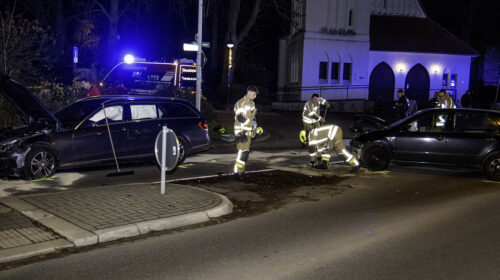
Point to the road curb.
(81, 237)
(27, 251)
(73, 233)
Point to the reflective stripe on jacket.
(246, 108)
(311, 111)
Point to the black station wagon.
(77, 134)
(452, 137)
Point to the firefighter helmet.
(303, 137)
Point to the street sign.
(167, 152)
(171, 149)
(75, 54)
(193, 46)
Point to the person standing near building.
(402, 105)
(322, 141)
(91, 90)
(466, 100)
(445, 101)
(311, 117)
(244, 123)
(434, 102)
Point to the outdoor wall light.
(435, 68)
(129, 59)
(401, 67)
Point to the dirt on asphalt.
(263, 192)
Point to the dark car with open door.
(77, 135)
(447, 137)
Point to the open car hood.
(26, 103)
(365, 122)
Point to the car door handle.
(136, 132)
(490, 139)
(119, 130)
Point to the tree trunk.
(114, 17)
(60, 30)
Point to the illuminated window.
(446, 77)
(323, 69)
(453, 81)
(347, 74)
(335, 73)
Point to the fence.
(346, 92)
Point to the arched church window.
(335, 73)
(347, 74)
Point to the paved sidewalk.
(20, 237)
(95, 215)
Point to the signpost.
(75, 59)
(167, 152)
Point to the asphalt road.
(204, 164)
(408, 223)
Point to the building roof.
(412, 34)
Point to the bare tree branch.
(251, 20)
(103, 10)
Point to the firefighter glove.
(259, 130)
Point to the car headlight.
(8, 145)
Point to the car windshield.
(74, 113)
(402, 120)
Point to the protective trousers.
(242, 156)
(323, 140)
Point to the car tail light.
(203, 125)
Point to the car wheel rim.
(182, 151)
(495, 167)
(378, 159)
(42, 164)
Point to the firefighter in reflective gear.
(322, 141)
(445, 101)
(245, 128)
(311, 114)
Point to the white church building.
(364, 50)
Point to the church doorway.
(382, 84)
(417, 85)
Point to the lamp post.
(230, 46)
(199, 41)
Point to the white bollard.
(163, 158)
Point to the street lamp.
(230, 47)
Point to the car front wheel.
(491, 166)
(183, 149)
(39, 163)
(376, 158)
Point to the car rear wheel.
(183, 149)
(491, 166)
(39, 163)
(376, 158)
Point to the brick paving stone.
(18, 230)
(99, 208)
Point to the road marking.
(213, 176)
(384, 172)
(489, 181)
(44, 179)
(185, 165)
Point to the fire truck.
(149, 78)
